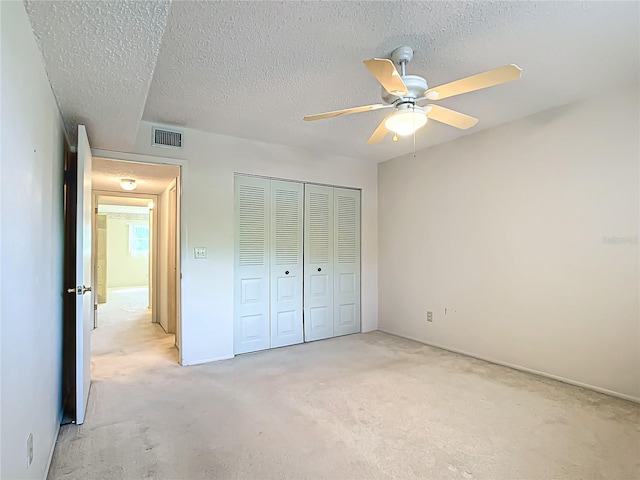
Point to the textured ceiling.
(254, 69)
(100, 57)
(106, 175)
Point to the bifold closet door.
(346, 296)
(286, 263)
(318, 262)
(252, 261)
(271, 271)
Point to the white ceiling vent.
(161, 137)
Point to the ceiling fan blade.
(385, 72)
(379, 133)
(497, 76)
(346, 111)
(451, 117)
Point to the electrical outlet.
(200, 252)
(29, 450)
(429, 316)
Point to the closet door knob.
(319, 269)
(287, 272)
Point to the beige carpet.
(362, 406)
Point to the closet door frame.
(255, 286)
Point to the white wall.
(124, 269)
(31, 251)
(507, 229)
(207, 218)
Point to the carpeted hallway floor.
(362, 406)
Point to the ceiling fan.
(406, 94)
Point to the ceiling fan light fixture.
(407, 121)
(128, 184)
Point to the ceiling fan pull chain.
(414, 144)
(414, 134)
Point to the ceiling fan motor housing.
(416, 86)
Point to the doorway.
(135, 255)
(123, 257)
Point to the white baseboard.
(612, 393)
(188, 363)
(53, 447)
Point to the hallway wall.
(31, 235)
(125, 269)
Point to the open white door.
(84, 302)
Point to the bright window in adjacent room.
(138, 239)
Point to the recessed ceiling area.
(151, 179)
(255, 69)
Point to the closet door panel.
(346, 259)
(252, 260)
(286, 263)
(318, 262)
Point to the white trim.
(605, 391)
(187, 363)
(136, 157)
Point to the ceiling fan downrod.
(402, 56)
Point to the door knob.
(79, 290)
(319, 269)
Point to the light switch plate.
(200, 252)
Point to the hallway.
(124, 329)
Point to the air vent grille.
(166, 138)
